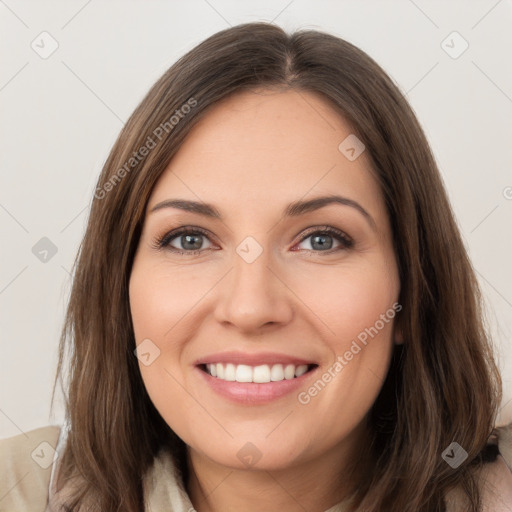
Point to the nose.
(254, 296)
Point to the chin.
(249, 457)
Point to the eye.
(323, 239)
(186, 240)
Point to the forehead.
(257, 148)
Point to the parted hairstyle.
(443, 384)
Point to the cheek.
(358, 309)
(155, 311)
(159, 299)
(352, 300)
(158, 314)
(162, 304)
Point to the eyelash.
(164, 241)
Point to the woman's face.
(240, 273)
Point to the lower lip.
(253, 393)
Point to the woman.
(272, 306)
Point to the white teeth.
(277, 372)
(230, 372)
(243, 373)
(259, 374)
(289, 371)
(301, 370)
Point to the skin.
(250, 156)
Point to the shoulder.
(494, 478)
(25, 469)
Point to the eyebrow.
(292, 210)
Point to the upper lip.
(253, 359)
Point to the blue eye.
(323, 239)
(190, 240)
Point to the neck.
(314, 485)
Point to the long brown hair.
(443, 384)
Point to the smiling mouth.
(260, 374)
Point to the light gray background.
(61, 115)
